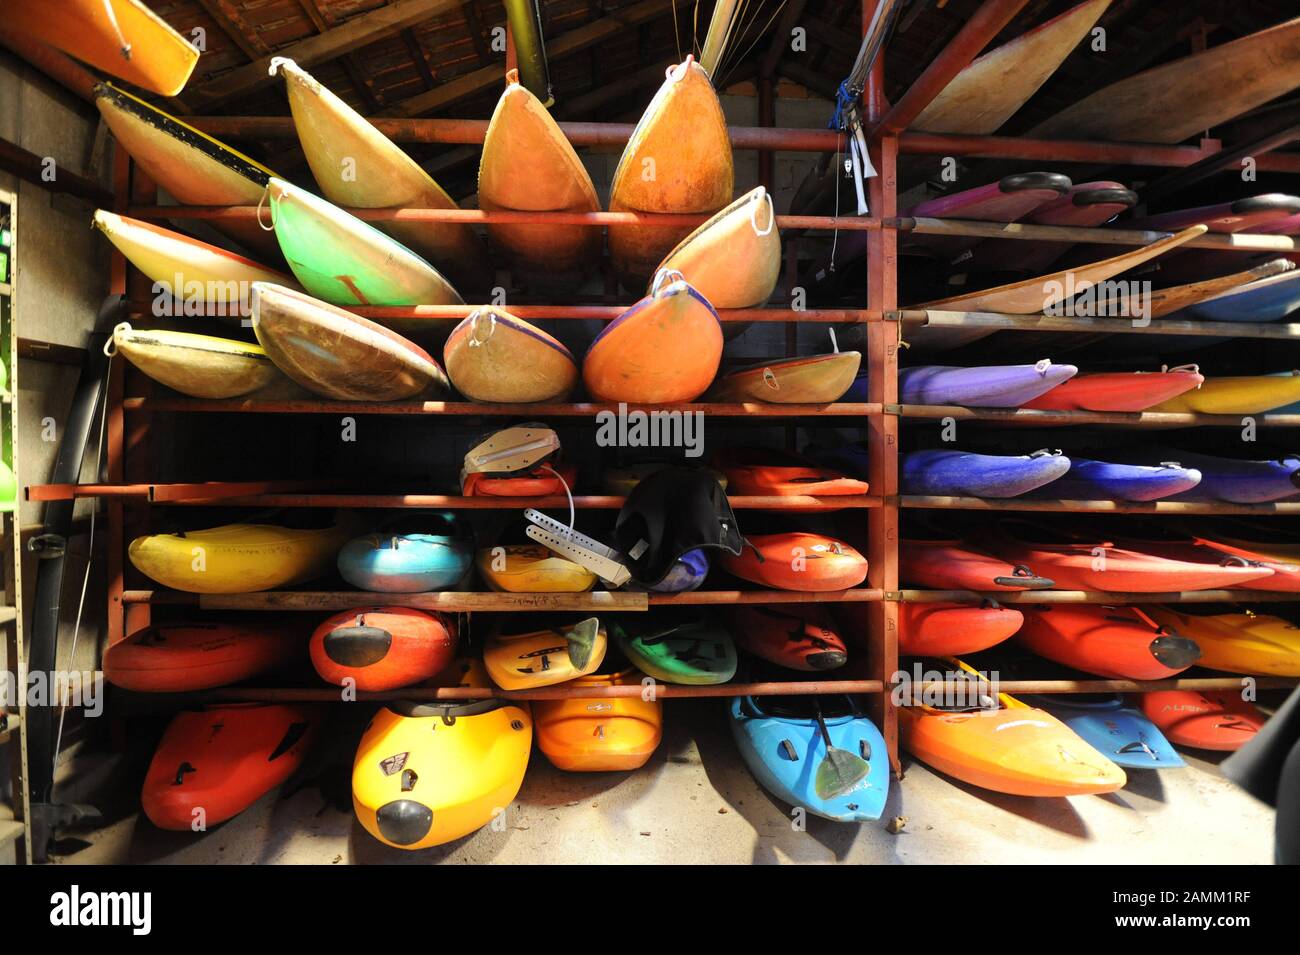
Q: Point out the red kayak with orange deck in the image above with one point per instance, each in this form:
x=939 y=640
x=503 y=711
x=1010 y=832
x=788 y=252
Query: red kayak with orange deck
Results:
x=764 y=471
x=176 y=657
x=951 y=565
x=951 y=629
x=1122 y=391
x=1214 y=719
x=541 y=482
x=214 y=763
x=798 y=561
x=795 y=637
x=382 y=648
x=1119 y=643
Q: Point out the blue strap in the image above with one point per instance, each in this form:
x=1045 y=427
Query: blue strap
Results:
x=844 y=98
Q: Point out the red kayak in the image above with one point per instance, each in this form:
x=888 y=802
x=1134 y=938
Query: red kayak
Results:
x=1120 y=643
x=763 y=472
x=1126 y=391
x=175 y=657
x=950 y=629
x=950 y=565
x=1086 y=204
x=1095 y=564
x=798 y=638
x=1286 y=575
x=798 y=561
x=542 y=482
x=1215 y=719
x=212 y=764
x=382 y=648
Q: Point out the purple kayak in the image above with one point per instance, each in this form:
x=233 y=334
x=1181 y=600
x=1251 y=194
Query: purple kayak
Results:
x=963 y=474
x=1241 y=215
x=990 y=386
x=1087 y=204
x=1009 y=199
x=1103 y=481
x=1231 y=480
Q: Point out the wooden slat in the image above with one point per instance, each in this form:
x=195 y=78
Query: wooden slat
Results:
x=468 y=409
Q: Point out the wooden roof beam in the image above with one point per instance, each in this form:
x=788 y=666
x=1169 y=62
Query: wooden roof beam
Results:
x=227 y=16
x=333 y=43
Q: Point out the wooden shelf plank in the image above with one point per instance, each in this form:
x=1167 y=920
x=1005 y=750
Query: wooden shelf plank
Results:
x=999 y=321
x=471 y=409
x=581 y=501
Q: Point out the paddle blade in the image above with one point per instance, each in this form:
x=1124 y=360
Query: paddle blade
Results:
x=838 y=773
x=581 y=638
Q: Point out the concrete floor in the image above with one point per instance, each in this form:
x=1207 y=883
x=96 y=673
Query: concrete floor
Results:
x=695 y=802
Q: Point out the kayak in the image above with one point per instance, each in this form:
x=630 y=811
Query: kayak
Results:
x=688 y=572
x=344 y=261
x=1007 y=200
x=1120 y=733
x=426 y=774
x=1285 y=577
x=1176 y=100
x=176 y=657
x=400 y=559
x=1123 y=391
x=121 y=37
x=620 y=480
x=1002 y=744
x=494 y=357
x=1102 y=481
x=952 y=565
x=990 y=386
x=195 y=273
x=382 y=648
x=944 y=629
x=733 y=260
x=600 y=734
x=796 y=638
x=1238 y=394
x=1241 y=641
x=239 y=558
x=994 y=86
x=963 y=474
x=1230 y=479
x=781 y=741
x=337 y=354
x=1044 y=293
x=798 y=561
x=766 y=471
x=522 y=135
x=544 y=657
x=212 y=764
x=1077 y=563
x=1167 y=301
x=678 y=160
x=1263 y=544
x=1119 y=643
x=542 y=481
x=1215 y=719
x=811 y=379
x=1087 y=204
x=200 y=366
x=1238 y=215
x=358 y=167
x=1264 y=300
x=531 y=569
x=677 y=649
x=665 y=348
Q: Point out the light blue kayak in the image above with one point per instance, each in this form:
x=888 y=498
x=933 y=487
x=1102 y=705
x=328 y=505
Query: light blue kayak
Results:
x=1118 y=732
x=783 y=747
x=431 y=551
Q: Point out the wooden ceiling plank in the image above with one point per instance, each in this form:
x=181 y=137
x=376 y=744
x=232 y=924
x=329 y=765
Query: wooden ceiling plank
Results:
x=227 y=16
x=477 y=33
x=420 y=57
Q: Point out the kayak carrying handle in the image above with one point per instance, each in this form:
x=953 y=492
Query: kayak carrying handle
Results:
x=662 y=276
x=110 y=346
x=753 y=215
x=1137 y=746
x=474 y=340
x=261 y=199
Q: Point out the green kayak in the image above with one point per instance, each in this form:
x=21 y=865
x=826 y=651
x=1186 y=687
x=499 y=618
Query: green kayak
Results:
x=344 y=261
x=685 y=650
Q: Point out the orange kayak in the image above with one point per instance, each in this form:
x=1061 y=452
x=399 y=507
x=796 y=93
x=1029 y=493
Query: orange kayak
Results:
x=1217 y=719
x=811 y=379
x=599 y=734
x=765 y=471
x=997 y=742
x=382 y=648
x=734 y=259
x=539 y=483
x=1120 y=643
x=176 y=657
x=797 y=561
x=494 y=357
x=951 y=565
x=946 y=629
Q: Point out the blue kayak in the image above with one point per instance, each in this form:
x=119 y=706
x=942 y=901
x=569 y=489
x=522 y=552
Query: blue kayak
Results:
x=989 y=386
x=782 y=745
x=687 y=573
x=1230 y=479
x=1265 y=300
x=963 y=474
x=402 y=560
x=1103 y=481
x=1121 y=734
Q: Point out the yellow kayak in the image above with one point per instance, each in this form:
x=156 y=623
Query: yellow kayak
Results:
x=200 y=366
x=1242 y=394
x=1240 y=642
x=359 y=167
x=186 y=268
x=815 y=379
x=194 y=168
x=240 y=558
x=426 y=774
x=734 y=259
x=600 y=734
x=545 y=657
x=531 y=569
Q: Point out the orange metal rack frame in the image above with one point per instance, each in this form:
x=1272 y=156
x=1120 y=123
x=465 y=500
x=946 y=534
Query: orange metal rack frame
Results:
x=872 y=609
